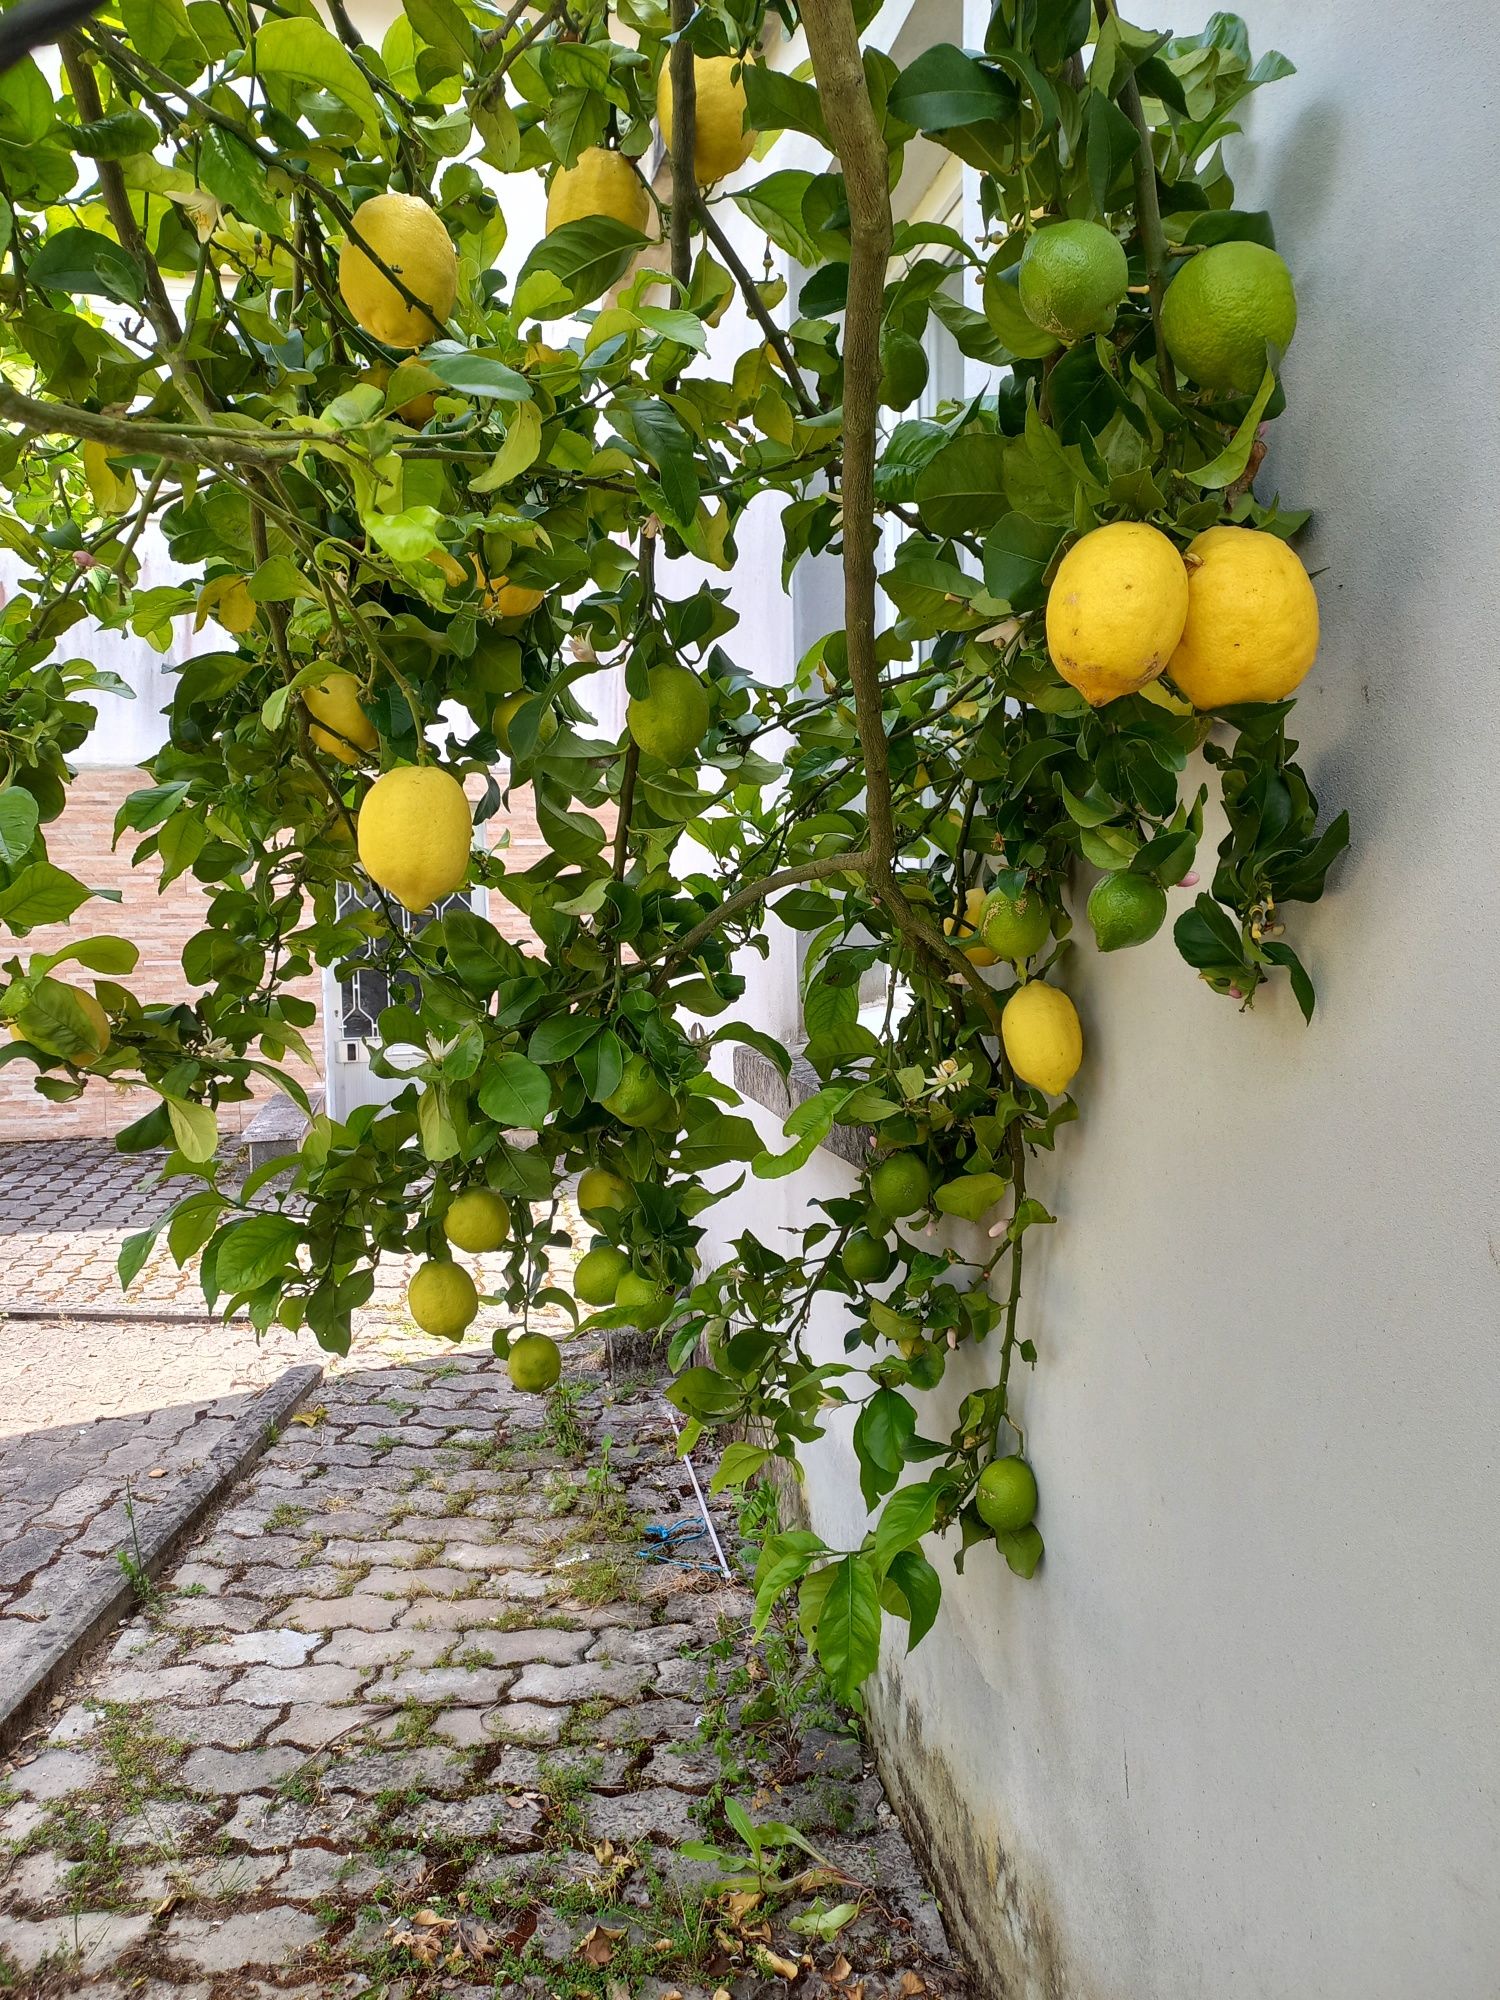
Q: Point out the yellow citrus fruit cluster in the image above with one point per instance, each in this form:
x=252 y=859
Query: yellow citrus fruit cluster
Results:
x=1235 y=620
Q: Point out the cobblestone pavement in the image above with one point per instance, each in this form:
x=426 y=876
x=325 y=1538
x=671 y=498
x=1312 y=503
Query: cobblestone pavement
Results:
x=108 y=1416
x=411 y=1718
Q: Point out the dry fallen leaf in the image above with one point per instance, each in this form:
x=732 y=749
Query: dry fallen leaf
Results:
x=311 y=1418
x=157 y=1472
x=911 y=1982
x=784 y=1968
x=740 y=1903
x=597 y=1947
x=167 y=1905
x=840 y=1970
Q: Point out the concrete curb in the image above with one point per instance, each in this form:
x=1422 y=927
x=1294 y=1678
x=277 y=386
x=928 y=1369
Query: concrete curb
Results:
x=109 y=1595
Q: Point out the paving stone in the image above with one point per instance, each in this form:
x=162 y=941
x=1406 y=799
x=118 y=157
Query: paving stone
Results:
x=97 y=1937
x=188 y=1685
x=56 y=1774
x=450 y=1614
x=526 y=1770
x=512 y=1649
x=313 y=1725
x=635 y=1816
x=76 y=1724
x=687 y=1678
x=271 y=1687
x=581 y=1683
x=432 y=1766
x=507 y=1823
x=164 y=1827
x=311 y=1874
x=227 y=1725
x=649 y=1643
x=36 y=1878
x=250 y=1937
x=213 y=1773
x=212 y=1614
x=360 y=1612
x=267 y=1824
x=650 y=1722
x=385 y=1649
x=685 y=1770
x=478 y=1687
x=273 y=1647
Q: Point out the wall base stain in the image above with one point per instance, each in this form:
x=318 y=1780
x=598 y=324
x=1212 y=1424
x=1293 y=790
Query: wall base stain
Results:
x=994 y=1910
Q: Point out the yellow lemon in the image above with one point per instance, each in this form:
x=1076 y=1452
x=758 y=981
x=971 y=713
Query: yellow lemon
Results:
x=407 y=237
x=415 y=831
x=1252 y=620
x=441 y=1299
x=477 y=1220
x=346 y=730
x=1043 y=1036
x=977 y=953
x=720 y=141
x=534 y=1362
x=602 y=183
x=1116 y=610
x=601 y=1192
x=512 y=600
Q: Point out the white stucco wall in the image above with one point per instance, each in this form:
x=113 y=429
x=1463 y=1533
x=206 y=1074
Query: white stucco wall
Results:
x=1240 y=1737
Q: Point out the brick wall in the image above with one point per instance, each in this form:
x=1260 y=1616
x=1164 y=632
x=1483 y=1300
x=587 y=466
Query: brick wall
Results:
x=161 y=925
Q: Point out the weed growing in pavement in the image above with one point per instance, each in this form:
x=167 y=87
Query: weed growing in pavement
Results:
x=562 y=1426
x=284 y=1515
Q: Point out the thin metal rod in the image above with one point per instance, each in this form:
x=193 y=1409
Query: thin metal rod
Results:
x=708 y=1519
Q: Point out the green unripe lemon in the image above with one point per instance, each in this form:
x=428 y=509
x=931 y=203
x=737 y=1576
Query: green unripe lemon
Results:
x=648 y=1301
x=1015 y=927
x=505 y=712
x=903 y=368
x=534 y=1362
x=602 y=1193
x=1073 y=276
x=867 y=1259
x=670 y=720
x=598 y=1275
x=441 y=1299
x=1007 y=1495
x=478 y=1220
x=900 y=1185
x=638 y=1099
x=1221 y=312
x=1126 y=909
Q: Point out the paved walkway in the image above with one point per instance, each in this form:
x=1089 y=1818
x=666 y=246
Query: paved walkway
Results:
x=412 y=1718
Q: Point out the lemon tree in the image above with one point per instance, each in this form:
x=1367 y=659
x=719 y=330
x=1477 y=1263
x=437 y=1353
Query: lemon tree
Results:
x=415 y=491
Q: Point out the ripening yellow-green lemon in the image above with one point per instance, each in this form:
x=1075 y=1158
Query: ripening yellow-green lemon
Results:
x=670 y=720
x=1006 y=1496
x=647 y=1300
x=597 y=1276
x=974 y=949
x=416 y=410
x=720 y=141
x=1225 y=310
x=1043 y=1036
x=1252 y=620
x=407 y=237
x=415 y=832
x=346 y=730
x=638 y=1099
x=602 y=182
x=477 y=1220
x=441 y=1299
x=534 y=1362
x=1116 y=610
x=600 y=1192
x=900 y=1185
x=505 y=711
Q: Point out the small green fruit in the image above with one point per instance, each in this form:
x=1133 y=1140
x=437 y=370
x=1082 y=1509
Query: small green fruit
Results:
x=534 y=1362
x=1007 y=1494
x=1126 y=909
x=900 y=1185
x=1015 y=927
x=478 y=1220
x=598 y=1275
x=648 y=1301
x=867 y=1259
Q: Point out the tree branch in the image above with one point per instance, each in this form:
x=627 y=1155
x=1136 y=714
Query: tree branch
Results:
x=838 y=69
x=1147 y=211
x=753 y=892
x=684 y=147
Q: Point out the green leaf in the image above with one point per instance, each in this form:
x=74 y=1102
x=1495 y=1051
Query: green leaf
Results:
x=905 y=1518
x=161 y=30
x=775 y=205
x=19 y=819
x=601 y=1064
x=1017 y=553
x=112 y=955
x=195 y=1129
x=473 y=374
x=738 y=1466
x=522 y=446
x=516 y=1093
x=962 y=491
x=233 y=175
x=704 y=1392
x=919 y=1583
x=133 y=1253
x=776 y=102
x=945 y=88
x=435 y=1125
x=848 y=1636
x=95 y=266
x=563 y=1036
x=252 y=1252
x=1232 y=460
x=304 y=51
x=41 y=894
x=573 y=265
x=971 y=1196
